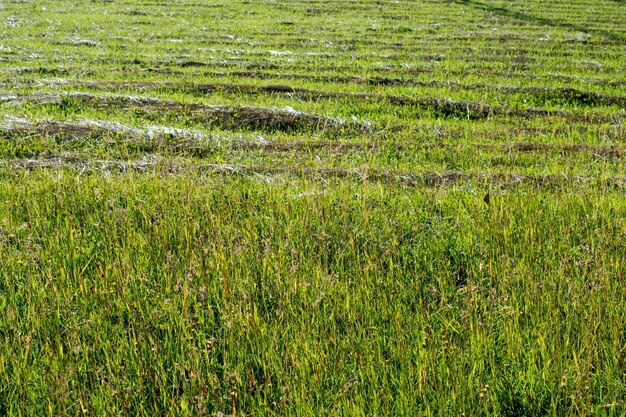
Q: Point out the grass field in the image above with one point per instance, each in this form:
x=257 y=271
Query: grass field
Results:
x=313 y=208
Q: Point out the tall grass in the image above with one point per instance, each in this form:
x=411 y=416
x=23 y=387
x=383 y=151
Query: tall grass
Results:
x=145 y=295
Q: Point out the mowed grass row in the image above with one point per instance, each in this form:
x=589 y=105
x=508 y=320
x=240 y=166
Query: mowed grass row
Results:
x=312 y=208
x=440 y=39
x=404 y=139
x=93 y=145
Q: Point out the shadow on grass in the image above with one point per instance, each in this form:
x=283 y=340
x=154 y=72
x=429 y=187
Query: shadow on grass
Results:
x=502 y=11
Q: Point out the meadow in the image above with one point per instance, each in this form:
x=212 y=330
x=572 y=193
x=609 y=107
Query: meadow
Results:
x=313 y=208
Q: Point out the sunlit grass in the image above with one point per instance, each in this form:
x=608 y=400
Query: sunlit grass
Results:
x=312 y=208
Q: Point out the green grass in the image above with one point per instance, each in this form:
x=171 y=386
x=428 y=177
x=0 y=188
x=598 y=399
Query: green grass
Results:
x=313 y=208
x=144 y=293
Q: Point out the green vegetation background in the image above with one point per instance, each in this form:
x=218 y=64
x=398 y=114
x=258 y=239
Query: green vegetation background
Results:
x=312 y=208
